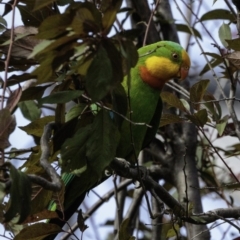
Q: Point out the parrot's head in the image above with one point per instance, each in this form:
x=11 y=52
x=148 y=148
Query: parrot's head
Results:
x=162 y=61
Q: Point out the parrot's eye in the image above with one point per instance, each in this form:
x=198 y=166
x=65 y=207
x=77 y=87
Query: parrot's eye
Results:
x=175 y=56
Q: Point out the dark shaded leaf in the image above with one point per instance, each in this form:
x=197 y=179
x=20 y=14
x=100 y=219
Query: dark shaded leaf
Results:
x=20 y=195
x=197 y=92
x=170 y=119
x=8 y=124
x=42 y=3
x=199 y=118
x=38 y=231
x=33 y=93
x=109 y=14
x=60 y=97
x=99 y=75
x=172 y=100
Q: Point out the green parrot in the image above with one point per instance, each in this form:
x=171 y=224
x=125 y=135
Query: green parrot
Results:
x=157 y=64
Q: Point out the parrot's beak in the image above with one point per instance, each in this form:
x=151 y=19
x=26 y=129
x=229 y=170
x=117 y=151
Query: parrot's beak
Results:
x=183 y=72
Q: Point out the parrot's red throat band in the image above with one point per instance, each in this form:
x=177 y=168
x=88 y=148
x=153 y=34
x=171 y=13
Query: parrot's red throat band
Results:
x=152 y=81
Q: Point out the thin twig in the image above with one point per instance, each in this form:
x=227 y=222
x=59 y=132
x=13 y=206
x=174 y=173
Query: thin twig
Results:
x=149 y=22
x=6 y=62
x=112 y=110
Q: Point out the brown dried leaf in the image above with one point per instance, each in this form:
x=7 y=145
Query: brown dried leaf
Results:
x=24 y=41
x=80 y=220
x=14 y=99
x=8 y=124
x=234 y=58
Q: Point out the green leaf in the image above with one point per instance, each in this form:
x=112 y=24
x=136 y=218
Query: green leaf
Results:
x=185 y=28
x=199 y=118
x=60 y=97
x=170 y=119
x=36 y=127
x=224 y=33
x=3 y=24
x=172 y=100
x=38 y=231
x=75 y=111
x=234 y=44
x=99 y=75
x=30 y=110
x=20 y=195
x=220 y=126
x=218 y=14
x=197 y=92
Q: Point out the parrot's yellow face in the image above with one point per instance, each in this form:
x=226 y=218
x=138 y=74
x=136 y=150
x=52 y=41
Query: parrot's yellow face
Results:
x=168 y=63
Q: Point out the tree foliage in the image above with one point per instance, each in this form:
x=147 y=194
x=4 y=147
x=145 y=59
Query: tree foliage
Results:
x=63 y=70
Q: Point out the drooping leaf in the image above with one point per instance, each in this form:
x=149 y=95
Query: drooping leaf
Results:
x=30 y=110
x=224 y=33
x=38 y=231
x=172 y=100
x=20 y=195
